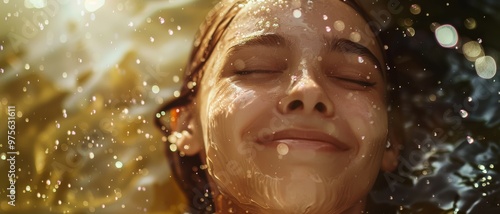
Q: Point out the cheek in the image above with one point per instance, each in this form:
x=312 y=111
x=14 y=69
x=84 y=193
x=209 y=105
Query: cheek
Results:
x=228 y=100
x=367 y=117
x=230 y=109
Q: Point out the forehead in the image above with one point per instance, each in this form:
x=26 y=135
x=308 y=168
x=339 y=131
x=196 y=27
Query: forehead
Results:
x=301 y=19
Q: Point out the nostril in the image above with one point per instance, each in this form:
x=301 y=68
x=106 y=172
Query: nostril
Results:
x=320 y=107
x=296 y=104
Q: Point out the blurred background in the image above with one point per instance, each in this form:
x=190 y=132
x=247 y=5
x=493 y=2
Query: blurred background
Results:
x=87 y=76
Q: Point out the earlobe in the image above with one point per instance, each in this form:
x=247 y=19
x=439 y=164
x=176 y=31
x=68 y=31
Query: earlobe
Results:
x=391 y=156
x=187 y=144
x=390 y=161
x=183 y=133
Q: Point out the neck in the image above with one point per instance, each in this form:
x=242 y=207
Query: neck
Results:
x=224 y=205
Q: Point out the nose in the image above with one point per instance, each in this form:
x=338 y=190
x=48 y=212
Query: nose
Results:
x=306 y=96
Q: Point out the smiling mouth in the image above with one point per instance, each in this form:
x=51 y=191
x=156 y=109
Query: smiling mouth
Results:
x=304 y=140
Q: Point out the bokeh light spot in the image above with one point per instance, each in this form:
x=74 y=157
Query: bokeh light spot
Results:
x=93 y=5
x=486 y=67
x=470 y=23
x=155 y=89
x=446 y=36
x=415 y=9
x=119 y=164
x=472 y=50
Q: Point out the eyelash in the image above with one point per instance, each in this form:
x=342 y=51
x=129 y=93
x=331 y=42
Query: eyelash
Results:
x=354 y=81
x=247 y=72
x=359 y=82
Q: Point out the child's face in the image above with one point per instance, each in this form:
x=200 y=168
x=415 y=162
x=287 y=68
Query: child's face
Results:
x=293 y=107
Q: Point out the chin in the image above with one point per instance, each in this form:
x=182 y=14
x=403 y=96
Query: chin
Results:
x=299 y=193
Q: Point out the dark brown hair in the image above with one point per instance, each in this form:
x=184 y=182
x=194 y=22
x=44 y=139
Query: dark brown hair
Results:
x=189 y=171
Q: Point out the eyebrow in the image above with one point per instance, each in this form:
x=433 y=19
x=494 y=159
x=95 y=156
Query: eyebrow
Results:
x=269 y=40
x=334 y=45
x=349 y=47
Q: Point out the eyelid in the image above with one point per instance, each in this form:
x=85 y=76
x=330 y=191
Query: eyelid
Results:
x=258 y=63
x=353 y=76
x=364 y=83
x=262 y=71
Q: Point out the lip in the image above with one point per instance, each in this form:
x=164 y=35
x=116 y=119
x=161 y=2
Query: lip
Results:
x=305 y=139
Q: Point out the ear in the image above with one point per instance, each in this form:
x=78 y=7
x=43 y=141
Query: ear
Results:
x=185 y=131
x=391 y=154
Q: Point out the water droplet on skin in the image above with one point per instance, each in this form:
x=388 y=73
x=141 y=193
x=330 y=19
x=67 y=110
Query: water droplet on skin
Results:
x=297 y=13
x=282 y=149
x=362 y=137
x=355 y=37
x=328 y=29
x=339 y=25
x=360 y=59
x=325 y=17
x=463 y=113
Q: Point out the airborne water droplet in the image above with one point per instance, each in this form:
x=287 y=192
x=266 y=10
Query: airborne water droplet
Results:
x=463 y=113
x=470 y=139
x=119 y=164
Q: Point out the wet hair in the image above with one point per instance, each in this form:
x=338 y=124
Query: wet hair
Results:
x=189 y=171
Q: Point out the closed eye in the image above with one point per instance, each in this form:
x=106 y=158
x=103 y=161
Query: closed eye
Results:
x=247 y=72
x=358 y=82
